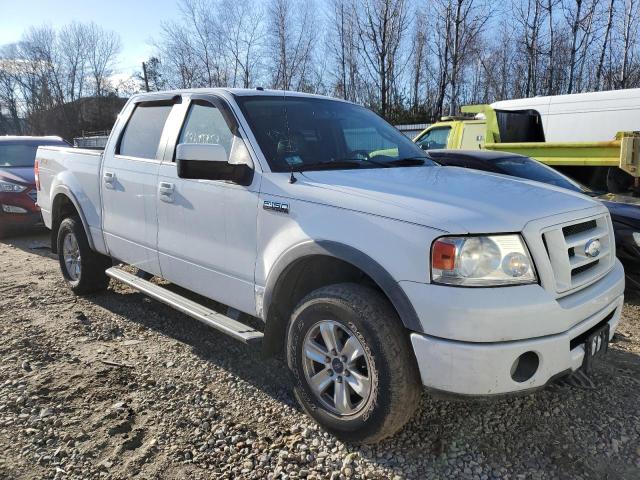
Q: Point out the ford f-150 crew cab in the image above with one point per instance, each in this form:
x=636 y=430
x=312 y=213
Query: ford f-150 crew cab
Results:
x=373 y=269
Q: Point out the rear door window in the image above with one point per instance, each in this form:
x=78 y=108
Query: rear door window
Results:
x=141 y=136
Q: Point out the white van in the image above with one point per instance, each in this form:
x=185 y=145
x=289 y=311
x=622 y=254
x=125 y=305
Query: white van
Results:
x=582 y=117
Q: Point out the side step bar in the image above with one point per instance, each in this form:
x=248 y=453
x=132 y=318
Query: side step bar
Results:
x=220 y=322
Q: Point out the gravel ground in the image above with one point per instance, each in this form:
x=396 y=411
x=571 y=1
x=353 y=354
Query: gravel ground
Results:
x=117 y=386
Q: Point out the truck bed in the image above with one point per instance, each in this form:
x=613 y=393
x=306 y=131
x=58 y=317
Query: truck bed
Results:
x=623 y=152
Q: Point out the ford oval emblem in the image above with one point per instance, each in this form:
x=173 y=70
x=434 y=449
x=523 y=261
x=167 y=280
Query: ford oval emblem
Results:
x=592 y=248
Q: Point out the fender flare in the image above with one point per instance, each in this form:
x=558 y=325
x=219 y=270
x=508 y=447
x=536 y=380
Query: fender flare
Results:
x=355 y=257
x=66 y=192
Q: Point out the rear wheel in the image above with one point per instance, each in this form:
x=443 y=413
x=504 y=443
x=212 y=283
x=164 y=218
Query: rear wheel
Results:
x=82 y=268
x=353 y=363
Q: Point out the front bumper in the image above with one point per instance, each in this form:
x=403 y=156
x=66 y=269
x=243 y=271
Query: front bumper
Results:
x=477 y=354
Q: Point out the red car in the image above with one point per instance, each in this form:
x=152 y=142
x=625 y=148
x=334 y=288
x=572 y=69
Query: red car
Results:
x=18 y=209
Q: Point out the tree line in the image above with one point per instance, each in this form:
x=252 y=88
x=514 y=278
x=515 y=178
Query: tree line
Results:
x=409 y=60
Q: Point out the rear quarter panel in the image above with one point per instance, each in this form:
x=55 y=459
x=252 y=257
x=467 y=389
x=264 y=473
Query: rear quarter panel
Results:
x=75 y=173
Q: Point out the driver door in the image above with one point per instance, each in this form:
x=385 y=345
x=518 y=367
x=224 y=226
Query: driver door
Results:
x=207 y=228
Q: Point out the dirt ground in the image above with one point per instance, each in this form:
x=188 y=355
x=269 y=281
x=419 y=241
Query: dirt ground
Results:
x=115 y=385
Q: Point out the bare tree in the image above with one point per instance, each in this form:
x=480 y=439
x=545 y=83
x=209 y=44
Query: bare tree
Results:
x=242 y=32
x=605 y=44
x=74 y=51
x=468 y=22
x=342 y=46
x=382 y=28
x=419 y=65
x=441 y=39
x=629 y=37
x=104 y=46
x=549 y=8
x=10 y=120
x=45 y=77
x=291 y=41
x=530 y=14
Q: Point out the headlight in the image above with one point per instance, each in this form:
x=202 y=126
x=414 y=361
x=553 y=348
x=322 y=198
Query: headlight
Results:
x=636 y=238
x=11 y=187
x=481 y=261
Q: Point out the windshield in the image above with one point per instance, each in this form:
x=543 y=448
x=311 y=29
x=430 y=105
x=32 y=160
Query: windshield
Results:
x=20 y=155
x=299 y=133
x=530 y=169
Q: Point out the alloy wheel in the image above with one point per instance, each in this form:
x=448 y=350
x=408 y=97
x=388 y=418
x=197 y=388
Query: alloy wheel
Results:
x=71 y=256
x=337 y=367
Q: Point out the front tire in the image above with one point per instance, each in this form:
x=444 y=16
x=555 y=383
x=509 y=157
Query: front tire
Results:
x=82 y=268
x=353 y=363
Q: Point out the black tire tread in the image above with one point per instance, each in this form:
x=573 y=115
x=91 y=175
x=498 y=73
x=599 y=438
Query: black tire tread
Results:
x=93 y=277
x=405 y=388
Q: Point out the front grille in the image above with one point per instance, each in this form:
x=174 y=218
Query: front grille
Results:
x=579 y=228
x=583 y=268
x=566 y=244
x=33 y=195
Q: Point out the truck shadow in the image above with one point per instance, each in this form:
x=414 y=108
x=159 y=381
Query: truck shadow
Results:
x=269 y=375
x=559 y=430
x=35 y=243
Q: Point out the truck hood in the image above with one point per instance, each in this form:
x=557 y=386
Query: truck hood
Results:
x=24 y=175
x=453 y=199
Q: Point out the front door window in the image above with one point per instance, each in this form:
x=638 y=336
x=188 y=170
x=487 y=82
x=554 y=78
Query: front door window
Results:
x=434 y=139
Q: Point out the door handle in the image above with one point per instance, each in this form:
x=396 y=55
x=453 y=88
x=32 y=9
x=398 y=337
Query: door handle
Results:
x=109 y=179
x=165 y=190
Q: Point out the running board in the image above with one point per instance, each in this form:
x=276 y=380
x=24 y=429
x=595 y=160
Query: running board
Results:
x=209 y=317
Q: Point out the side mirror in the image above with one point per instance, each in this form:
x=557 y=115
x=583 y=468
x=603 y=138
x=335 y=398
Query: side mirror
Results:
x=210 y=162
x=201 y=152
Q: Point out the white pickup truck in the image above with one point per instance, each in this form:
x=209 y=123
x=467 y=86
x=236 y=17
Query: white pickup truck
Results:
x=373 y=269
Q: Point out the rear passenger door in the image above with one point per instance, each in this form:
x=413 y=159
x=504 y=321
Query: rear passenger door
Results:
x=129 y=184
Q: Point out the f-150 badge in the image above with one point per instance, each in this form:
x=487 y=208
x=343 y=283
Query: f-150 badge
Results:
x=276 y=206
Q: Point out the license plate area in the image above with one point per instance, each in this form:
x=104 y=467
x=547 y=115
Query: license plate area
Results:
x=595 y=346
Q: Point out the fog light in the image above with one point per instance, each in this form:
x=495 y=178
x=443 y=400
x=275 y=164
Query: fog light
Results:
x=525 y=367
x=13 y=209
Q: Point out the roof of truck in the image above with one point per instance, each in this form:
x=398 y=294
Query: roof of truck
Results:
x=240 y=92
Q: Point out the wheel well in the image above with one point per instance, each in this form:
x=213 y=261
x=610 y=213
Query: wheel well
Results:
x=62 y=208
x=299 y=279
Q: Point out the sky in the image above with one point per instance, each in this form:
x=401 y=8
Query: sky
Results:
x=136 y=21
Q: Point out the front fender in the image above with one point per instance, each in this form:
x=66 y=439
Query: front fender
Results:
x=350 y=255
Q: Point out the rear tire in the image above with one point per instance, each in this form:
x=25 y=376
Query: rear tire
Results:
x=367 y=386
x=82 y=268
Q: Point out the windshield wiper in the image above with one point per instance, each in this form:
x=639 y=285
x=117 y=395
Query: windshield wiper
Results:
x=343 y=163
x=407 y=162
